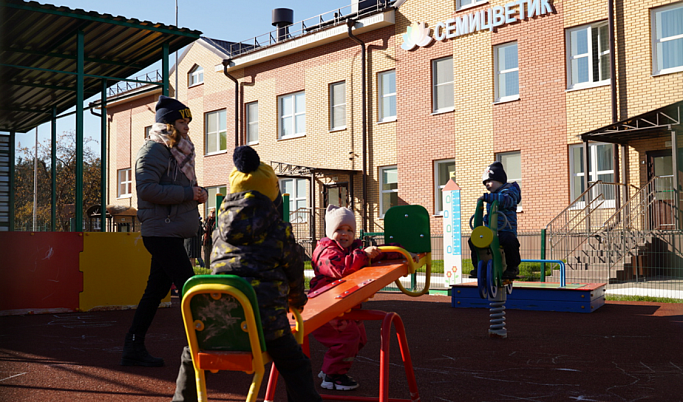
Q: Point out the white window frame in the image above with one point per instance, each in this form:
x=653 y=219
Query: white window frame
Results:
x=195 y=76
x=251 y=116
x=438 y=188
x=501 y=158
x=468 y=4
x=339 y=108
x=296 y=98
x=221 y=131
x=658 y=42
x=445 y=63
x=381 y=96
x=578 y=174
x=125 y=183
x=296 y=197
x=211 y=201
x=386 y=193
x=500 y=72
x=592 y=53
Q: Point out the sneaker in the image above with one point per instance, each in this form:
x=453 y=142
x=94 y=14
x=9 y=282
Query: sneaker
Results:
x=340 y=382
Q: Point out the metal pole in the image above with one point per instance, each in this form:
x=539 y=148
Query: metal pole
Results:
x=176 y=53
x=103 y=159
x=675 y=178
x=12 y=156
x=164 y=69
x=35 y=182
x=53 y=173
x=80 y=97
x=543 y=255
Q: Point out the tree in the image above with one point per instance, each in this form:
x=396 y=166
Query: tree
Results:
x=66 y=179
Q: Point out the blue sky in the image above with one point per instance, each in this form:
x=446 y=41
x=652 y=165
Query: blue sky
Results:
x=219 y=19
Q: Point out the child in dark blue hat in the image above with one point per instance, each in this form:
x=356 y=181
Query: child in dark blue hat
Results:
x=508 y=195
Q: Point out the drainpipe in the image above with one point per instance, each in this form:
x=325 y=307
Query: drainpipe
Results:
x=349 y=24
x=615 y=116
x=237 y=97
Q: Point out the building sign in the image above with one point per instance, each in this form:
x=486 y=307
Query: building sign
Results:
x=419 y=35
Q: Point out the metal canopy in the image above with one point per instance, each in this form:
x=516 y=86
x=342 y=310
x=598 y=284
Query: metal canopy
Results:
x=661 y=120
x=39 y=56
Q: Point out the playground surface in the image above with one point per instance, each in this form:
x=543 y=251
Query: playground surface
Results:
x=624 y=351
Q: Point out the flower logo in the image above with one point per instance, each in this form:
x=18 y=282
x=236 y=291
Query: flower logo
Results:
x=417 y=34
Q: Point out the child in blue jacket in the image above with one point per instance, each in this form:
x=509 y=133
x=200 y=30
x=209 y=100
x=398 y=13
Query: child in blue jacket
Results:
x=508 y=196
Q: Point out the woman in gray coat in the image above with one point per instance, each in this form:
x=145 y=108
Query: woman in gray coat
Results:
x=168 y=197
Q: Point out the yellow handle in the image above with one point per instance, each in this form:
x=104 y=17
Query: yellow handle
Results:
x=412 y=267
x=299 y=329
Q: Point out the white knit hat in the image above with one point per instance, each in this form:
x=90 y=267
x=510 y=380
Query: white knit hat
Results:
x=337 y=216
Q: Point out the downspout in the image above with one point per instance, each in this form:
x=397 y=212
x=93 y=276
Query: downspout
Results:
x=615 y=116
x=349 y=24
x=237 y=97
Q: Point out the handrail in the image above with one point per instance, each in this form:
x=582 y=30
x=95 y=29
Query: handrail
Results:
x=303 y=27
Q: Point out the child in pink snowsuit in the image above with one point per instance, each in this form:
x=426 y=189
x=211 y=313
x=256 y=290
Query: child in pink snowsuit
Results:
x=336 y=256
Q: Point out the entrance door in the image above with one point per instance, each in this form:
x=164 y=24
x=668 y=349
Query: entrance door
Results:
x=336 y=194
x=660 y=167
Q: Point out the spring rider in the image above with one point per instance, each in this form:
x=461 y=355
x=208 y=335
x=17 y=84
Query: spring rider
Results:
x=490 y=265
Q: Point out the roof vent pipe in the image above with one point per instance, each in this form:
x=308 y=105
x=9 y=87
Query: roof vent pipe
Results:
x=282 y=19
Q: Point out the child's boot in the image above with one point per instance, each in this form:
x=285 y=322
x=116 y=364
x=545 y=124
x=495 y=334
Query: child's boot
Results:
x=340 y=382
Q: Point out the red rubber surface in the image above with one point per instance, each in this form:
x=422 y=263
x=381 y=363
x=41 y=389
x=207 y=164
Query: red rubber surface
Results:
x=621 y=352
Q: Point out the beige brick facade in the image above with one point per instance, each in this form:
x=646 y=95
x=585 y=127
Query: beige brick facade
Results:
x=542 y=124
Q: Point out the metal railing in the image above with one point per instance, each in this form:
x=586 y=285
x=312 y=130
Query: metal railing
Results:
x=125 y=86
x=629 y=234
x=583 y=219
x=304 y=27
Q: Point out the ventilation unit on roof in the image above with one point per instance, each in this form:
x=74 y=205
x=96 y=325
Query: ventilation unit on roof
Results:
x=358 y=6
x=282 y=19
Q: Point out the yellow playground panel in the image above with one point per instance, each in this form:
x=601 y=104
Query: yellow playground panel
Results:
x=115 y=268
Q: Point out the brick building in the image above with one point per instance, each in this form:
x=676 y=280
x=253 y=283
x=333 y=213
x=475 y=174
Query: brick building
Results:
x=450 y=86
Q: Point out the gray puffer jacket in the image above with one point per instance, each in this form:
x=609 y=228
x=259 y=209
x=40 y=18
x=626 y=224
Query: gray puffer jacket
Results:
x=165 y=198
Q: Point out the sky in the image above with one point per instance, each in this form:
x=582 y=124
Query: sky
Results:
x=229 y=20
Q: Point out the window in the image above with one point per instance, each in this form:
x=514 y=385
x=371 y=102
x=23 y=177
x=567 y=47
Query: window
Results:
x=298 y=203
x=252 y=123
x=468 y=3
x=442 y=81
x=211 y=202
x=338 y=106
x=512 y=163
x=196 y=76
x=387 y=95
x=215 y=132
x=292 y=110
x=588 y=55
x=148 y=130
x=507 y=72
x=388 y=185
x=600 y=166
x=125 y=183
x=443 y=171
x=667 y=39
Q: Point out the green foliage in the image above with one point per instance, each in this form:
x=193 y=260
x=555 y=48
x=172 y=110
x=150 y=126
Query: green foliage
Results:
x=66 y=179
x=201 y=271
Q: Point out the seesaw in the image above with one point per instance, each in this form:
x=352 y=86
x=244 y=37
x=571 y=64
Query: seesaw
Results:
x=224 y=331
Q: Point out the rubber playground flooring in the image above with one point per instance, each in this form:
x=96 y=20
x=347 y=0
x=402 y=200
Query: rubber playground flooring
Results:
x=624 y=351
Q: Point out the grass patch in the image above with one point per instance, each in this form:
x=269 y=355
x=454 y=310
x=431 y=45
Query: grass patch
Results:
x=530 y=271
x=642 y=299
